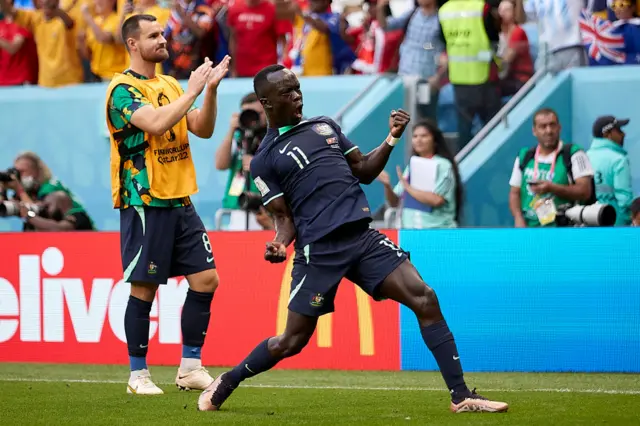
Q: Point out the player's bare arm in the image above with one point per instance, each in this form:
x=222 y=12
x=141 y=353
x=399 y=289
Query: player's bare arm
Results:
x=64 y=17
x=157 y=121
x=276 y=251
x=201 y=122
x=367 y=167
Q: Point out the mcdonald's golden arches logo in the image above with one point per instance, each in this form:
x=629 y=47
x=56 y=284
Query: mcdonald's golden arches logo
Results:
x=324 y=329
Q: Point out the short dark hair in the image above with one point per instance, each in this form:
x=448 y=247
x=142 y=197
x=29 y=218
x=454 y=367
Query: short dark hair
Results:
x=249 y=99
x=131 y=27
x=260 y=80
x=544 y=111
x=635 y=207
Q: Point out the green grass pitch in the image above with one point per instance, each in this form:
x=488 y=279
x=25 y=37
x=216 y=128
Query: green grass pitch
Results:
x=51 y=394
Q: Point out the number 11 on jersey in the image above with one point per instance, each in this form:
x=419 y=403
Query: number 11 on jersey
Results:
x=295 y=157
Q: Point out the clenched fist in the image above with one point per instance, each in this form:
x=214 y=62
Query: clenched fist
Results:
x=276 y=252
x=398 y=121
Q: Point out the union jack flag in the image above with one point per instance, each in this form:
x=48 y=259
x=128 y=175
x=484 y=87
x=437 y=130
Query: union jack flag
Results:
x=604 y=40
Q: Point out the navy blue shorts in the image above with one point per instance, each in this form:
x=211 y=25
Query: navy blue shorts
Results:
x=356 y=252
x=159 y=243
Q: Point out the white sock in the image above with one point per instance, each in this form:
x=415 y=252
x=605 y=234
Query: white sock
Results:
x=136 y=373
x=190 y=364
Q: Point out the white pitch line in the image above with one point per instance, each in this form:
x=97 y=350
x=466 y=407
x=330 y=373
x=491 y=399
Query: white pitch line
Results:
x=359 y=388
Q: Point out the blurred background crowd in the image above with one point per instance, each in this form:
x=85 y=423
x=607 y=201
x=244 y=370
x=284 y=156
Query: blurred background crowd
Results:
x=56 y=43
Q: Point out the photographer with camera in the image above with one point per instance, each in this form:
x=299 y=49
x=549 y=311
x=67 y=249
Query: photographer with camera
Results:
x=549 y=179
x=31 y=181
x=234 y=154
x=56 y=214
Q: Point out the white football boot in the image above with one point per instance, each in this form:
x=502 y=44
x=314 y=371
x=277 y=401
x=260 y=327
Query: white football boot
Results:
x=141 y=384
x=198 y=379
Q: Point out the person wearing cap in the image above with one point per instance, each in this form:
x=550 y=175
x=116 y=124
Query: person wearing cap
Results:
x=610 y=162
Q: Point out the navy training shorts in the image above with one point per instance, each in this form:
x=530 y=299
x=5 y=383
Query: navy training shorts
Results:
x=356 y=252
x=158 y=243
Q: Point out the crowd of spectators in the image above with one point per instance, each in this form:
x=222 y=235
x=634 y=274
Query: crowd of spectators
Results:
x=56 y=43
x=79 y=40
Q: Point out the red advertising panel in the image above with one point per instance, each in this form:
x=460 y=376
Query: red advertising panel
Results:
x=62 y=299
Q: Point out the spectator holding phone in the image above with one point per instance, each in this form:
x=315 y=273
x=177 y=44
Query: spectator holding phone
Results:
x=552 y=174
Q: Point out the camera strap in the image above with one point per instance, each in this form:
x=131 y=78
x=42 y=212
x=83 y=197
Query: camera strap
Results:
x=126 y=151
x=125 y=132
x=553 y=163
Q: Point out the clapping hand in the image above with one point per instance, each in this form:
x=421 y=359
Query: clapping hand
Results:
x=402 y=178
x=199 y=78
x=219 y=72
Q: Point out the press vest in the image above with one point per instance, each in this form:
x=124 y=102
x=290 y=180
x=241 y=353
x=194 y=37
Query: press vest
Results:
x=168 y=159
x=560 y=177
x=468 y=47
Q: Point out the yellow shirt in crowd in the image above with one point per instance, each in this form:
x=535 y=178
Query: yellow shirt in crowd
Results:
x=58 y=60
x=316 y=50
x=74 y=10
x=107 y=58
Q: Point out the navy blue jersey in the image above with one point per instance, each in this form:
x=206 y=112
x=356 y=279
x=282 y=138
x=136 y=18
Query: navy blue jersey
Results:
x=307 y=165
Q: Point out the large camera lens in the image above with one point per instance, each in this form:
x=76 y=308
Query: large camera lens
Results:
x=249 y=119
x=9 y=208
x=250 y=202
x=593 y=215
x=7 y=176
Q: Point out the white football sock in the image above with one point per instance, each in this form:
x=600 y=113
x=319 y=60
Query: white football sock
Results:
x=136 y=373
x=189 y=364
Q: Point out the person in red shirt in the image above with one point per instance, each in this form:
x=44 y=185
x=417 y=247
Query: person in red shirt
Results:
x=517 y=65
x=255 y=36
x=18 y=57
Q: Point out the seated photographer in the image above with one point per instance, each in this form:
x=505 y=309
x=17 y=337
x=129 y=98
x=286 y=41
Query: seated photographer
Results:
x=611 y=166
x=234 y=154
x=549 y=177
x=31 y=180
x=55 y=214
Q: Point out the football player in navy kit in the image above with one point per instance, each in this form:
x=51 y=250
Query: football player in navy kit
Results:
x=309 y=175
